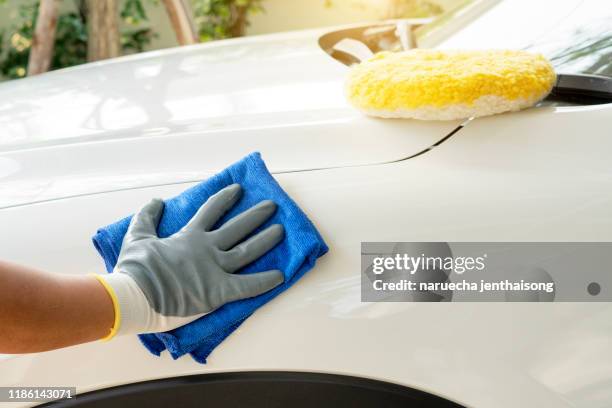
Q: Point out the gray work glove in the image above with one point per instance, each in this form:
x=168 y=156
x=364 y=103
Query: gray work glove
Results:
x=162 y=283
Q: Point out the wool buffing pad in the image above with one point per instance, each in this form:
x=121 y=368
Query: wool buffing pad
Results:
x=445 y=85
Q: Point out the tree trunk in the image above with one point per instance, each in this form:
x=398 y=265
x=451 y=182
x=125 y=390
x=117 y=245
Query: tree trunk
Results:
x=239 y=21
x=41 y=52
x=181 y=21
x=103 y=41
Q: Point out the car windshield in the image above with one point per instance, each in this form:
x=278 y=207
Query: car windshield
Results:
x=578 y=41
x=575 y=36
x=579 y=46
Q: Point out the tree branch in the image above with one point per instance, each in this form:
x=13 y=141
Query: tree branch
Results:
x=181 y=20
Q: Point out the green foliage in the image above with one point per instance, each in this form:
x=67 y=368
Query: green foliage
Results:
x=15 y=61
x=217 y=19
x=133 y=12
x=134 y=15
x=70 y=38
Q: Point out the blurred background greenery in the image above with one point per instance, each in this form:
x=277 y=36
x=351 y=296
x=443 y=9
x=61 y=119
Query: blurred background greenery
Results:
x=144 y=24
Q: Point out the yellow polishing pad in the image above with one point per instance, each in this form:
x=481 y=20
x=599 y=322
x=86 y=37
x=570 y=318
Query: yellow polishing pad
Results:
x=444 y=85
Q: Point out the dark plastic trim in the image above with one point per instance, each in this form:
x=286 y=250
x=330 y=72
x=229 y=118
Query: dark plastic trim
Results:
x=582 y=89
x=269 y=389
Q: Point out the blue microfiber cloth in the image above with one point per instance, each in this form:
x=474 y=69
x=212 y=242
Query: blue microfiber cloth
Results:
x=295 y=255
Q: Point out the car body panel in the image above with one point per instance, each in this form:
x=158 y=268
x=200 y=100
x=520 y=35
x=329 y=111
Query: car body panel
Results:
x=536 y=175
x=208 y=105
x=477 y=355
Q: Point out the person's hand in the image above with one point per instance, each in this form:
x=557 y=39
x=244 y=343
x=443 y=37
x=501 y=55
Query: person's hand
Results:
x=162 y=283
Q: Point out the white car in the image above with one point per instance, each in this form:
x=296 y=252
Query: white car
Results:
x=85 y=146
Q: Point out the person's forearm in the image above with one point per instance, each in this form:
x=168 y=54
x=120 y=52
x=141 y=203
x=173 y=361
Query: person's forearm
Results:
x=42 y=311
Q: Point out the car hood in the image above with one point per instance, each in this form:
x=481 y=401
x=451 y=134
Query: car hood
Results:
x=182 y=114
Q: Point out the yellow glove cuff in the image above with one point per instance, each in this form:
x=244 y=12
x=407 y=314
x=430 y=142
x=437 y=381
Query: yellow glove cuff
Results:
x=113 y=296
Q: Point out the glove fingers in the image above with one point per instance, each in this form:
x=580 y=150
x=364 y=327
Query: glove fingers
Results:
x=144 y=222
x=236 y=229
x=214 y=208
x=251 y=285
x=253 y=248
